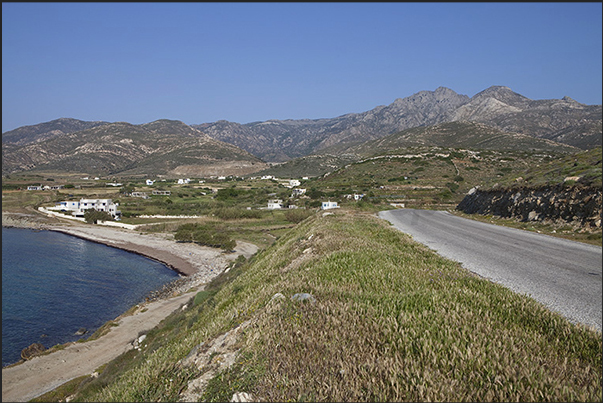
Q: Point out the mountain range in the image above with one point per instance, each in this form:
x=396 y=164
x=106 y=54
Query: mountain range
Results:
x=163 y=147
x=494 y=118
x=561 y=120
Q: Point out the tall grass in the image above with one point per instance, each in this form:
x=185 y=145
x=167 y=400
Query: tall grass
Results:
x=392 y=321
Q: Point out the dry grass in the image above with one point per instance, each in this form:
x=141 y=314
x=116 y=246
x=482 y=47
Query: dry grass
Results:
x=392 y=321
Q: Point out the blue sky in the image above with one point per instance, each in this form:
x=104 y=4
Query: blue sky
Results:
x=245 y=62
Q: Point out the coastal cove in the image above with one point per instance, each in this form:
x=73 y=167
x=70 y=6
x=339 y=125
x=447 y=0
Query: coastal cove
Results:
x=191 y=266
x=55 y=285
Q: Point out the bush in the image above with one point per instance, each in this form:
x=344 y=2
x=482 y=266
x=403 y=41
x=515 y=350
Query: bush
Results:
x=297 y=215
x=204 y=235
x=92 y=216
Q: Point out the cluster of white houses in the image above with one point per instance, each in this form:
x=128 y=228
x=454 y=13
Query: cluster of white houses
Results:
x=46 y=187
x=78 y=208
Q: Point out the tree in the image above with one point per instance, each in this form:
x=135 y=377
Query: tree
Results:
x=92 y=216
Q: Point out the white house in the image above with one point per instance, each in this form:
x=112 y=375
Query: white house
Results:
x=150 y=182
x=39 y=187
x=265 y=177
x=183 y=181
x=275 y=204
x=78 y=208
x=294 y=182
x=329 y=205
x=140 y=194
x=298 y=192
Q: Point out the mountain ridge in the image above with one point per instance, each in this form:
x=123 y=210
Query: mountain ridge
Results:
x=163 y=147
x=564 y=120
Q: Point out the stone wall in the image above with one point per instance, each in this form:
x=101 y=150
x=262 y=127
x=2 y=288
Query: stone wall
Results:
x=576 y=205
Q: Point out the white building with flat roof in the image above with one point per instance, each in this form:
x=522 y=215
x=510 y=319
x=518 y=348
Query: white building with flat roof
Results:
x=275 y=204
x=329 y=205
x=78 y=208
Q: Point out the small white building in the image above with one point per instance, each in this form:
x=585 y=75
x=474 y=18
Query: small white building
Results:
x=294 y=182
x=329 y=205
x=275 y=204
x=183 y=181
x=35 y=187
x=150 y=182
x=78 y=208
x=298 y=192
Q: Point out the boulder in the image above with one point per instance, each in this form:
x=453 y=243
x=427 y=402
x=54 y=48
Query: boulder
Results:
x=31 y=351
x=303 y=297
x=81 y=331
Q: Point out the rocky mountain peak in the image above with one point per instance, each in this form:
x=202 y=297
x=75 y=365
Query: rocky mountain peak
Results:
x=570 y=100
x=504 y=95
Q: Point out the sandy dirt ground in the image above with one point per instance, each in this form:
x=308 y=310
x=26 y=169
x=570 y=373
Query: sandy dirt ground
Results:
x=201 y=264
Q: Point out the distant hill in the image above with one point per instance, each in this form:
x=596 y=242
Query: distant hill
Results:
x=468 y=135
x=163 y=147
x=562 y=120
x=453 y=135
x=496 y=118
x=44 y=131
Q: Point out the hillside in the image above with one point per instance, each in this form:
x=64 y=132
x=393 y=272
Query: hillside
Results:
x=44 y=131
x=345 y=308
x=163 y=147
x=429 y=177
x=466 y=135
x=565 y=190
x=562 y=120
x=454 y=135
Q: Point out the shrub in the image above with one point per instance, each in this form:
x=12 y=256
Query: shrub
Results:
x=297 y=215
x=92 y=216
x=204 y=235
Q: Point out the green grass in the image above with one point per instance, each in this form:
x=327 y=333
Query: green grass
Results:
x=392 y=321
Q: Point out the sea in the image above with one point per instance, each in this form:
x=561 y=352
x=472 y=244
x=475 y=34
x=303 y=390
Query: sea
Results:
x=53 y=284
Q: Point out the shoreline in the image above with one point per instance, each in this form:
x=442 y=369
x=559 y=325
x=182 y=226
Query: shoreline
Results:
x=196 y=265
x=182 y=267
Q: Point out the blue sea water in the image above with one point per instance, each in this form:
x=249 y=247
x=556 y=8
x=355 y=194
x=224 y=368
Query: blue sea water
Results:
x=54 y=284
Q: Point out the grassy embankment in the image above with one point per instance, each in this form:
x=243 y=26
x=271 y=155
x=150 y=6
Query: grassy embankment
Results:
x=392 y=321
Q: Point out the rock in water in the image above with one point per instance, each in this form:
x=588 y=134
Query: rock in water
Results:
x=81 y=331
x=31 y=351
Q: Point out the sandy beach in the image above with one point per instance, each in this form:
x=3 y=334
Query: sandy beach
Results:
x=197 y=265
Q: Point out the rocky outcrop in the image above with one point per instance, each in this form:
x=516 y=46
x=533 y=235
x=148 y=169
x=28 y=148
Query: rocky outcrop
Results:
x=32 y=351
x=577 y=205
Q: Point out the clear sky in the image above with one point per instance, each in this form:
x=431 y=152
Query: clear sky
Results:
x=245 y=62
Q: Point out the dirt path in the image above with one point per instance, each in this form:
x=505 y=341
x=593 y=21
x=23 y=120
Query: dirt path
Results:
x=44 y=373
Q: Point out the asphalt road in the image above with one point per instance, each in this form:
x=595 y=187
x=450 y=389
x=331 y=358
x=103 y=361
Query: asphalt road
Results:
x=563 y=275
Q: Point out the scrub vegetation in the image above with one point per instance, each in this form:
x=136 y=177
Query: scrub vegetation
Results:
x=391 y=321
